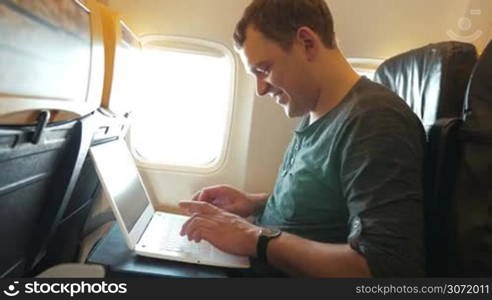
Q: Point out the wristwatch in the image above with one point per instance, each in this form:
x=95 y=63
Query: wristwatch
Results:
x=266 y=235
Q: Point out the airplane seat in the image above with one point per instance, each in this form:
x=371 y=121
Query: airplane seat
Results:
x=442 y=156
x=432 y=79
x=39 y=164
x=48 y=119
x=68 y=240
x=72 y=270
x=470 y=216
x=458 y=219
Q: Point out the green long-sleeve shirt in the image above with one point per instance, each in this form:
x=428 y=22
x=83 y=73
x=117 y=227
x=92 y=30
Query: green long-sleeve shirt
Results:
x=355 y=176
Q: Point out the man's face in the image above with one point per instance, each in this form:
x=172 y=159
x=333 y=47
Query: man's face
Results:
x=283 y=75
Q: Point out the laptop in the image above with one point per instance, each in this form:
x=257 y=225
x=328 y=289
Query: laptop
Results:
x=148 y=232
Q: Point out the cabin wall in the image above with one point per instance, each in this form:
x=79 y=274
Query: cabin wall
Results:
x=381 y=28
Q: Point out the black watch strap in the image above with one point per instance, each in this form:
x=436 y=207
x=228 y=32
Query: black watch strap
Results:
x=265 y=237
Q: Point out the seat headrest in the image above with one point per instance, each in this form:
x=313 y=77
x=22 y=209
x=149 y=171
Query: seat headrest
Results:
x=478 y=106
x=432 y=79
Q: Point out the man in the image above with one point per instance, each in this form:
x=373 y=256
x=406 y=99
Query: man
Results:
x=348 y=197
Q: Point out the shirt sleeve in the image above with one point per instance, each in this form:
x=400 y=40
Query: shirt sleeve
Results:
x=381 y=161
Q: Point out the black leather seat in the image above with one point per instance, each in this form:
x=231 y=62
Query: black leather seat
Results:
x=478 y=106
x=432 y=79
x=459 y=239
x=470 y=217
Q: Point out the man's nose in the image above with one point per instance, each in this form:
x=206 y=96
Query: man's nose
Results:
x=262 y=87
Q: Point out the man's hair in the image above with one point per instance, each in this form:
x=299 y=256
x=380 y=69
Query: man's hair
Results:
x=279 y=20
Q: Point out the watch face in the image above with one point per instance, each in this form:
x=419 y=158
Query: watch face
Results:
x=270 y=232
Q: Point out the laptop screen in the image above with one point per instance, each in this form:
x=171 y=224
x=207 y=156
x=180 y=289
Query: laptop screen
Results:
x=119 y=175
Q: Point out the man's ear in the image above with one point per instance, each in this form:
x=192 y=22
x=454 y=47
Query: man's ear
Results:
x=309 y=41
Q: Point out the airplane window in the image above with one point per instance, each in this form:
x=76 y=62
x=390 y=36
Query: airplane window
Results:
x=182 y=117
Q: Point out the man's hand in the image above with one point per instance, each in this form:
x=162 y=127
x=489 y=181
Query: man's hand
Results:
x=231 y=200
x=292 y=254
x=226 y=231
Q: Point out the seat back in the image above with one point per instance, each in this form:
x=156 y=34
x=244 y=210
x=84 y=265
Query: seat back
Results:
x=459 y=238
x=432 y=79
x=34 y=181
x=443 y=154
x=65 y=246
x=471 y=216
x=51 y=84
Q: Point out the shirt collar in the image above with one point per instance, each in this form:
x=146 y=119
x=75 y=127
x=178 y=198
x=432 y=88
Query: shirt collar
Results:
x=305 y=128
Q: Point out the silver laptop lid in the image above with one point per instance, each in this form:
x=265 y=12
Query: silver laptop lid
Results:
x=123 y=188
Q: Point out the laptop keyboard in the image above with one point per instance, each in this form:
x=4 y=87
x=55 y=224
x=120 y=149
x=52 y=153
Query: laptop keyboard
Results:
x=172 y=241
x=161 y=238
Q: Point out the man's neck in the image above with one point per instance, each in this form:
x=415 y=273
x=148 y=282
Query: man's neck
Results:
x=337 y=80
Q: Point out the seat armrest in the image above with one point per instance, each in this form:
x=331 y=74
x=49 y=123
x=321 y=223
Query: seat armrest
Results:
x=74 y=271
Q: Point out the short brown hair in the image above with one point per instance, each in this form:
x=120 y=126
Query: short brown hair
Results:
x=279 y=20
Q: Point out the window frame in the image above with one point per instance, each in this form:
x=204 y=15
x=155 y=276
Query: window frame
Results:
x=198 y=46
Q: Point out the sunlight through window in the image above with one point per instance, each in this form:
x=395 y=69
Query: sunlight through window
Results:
x=182 y=116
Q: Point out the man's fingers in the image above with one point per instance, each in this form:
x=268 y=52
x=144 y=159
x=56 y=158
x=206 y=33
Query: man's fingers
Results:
x=206 y=234
x=195 y=236
x=210 y=193
x=196 y=221
x=195 y=196
x=195 y=224
x=203 y=195
x=184 y=228
x=198 y=207
x=197 y=230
